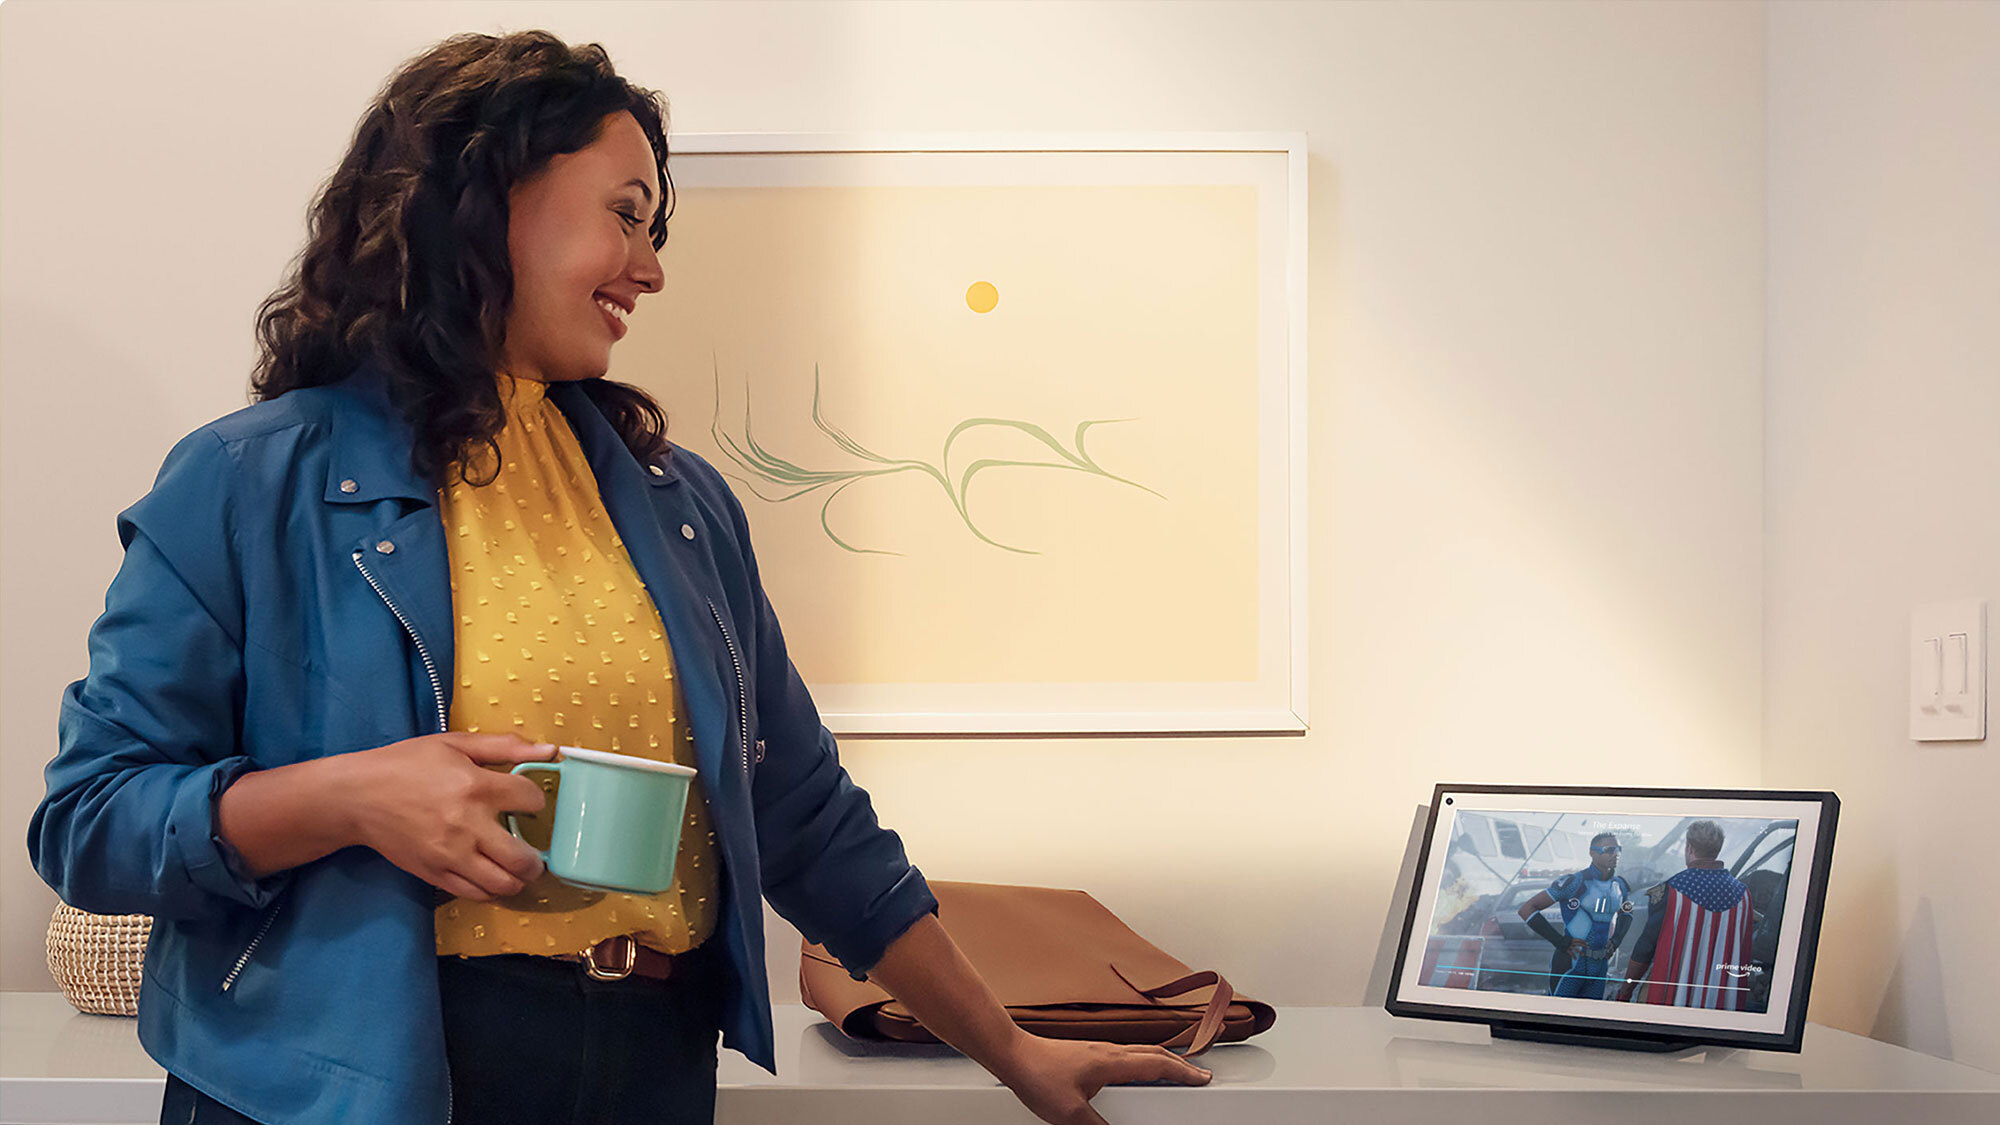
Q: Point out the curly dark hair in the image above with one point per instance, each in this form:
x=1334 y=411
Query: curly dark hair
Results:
x=406 y=261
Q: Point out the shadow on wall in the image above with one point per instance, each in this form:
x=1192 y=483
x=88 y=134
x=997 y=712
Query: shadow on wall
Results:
x=1913 y=1007
x=1377 y=992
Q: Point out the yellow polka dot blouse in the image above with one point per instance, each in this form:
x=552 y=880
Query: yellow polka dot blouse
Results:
x=559 y=642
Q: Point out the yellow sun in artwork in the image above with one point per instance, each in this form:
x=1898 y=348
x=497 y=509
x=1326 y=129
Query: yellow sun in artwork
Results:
x=982 y=297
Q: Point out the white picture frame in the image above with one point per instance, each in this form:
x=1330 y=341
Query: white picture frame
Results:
x=764 y=237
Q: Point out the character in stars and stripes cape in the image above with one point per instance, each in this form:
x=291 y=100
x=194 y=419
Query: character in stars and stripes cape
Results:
x=1695 y=949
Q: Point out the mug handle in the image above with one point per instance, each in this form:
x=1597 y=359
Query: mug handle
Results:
x=514 y=825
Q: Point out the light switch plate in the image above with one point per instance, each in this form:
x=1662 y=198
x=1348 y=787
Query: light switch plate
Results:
x=1948 y=672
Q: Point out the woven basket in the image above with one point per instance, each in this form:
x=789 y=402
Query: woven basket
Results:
x=97 y=959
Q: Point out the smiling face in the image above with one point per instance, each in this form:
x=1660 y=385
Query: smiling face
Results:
x=578 y=236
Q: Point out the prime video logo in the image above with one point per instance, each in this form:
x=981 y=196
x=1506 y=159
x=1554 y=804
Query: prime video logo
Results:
x=1741 y=971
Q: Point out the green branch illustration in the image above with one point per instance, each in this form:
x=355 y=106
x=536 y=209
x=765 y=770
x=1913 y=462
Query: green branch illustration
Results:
x=788 y=481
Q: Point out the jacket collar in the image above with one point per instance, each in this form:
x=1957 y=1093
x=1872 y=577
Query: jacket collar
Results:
x=372 y=442
x=600 y=440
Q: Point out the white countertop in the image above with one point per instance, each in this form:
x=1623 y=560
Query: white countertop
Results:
x=1317 y=1065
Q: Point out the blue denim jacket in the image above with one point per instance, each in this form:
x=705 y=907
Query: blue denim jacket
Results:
x=285 y=595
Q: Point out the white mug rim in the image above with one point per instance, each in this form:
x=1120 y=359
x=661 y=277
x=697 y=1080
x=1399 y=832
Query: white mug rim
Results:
x=624 y=761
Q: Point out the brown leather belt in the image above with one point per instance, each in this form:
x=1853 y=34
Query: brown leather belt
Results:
x=616 y=958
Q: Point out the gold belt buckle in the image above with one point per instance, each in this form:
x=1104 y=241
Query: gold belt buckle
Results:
x=622 y=942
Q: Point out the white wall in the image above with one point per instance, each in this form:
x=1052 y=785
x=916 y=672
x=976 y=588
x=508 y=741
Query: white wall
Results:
x=1882 y=464
x=1535 y=327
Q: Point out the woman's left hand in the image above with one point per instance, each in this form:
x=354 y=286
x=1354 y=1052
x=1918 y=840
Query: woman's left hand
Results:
x=1056 y=1078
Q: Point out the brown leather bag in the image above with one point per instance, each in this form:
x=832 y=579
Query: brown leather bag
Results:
x=1064 y=967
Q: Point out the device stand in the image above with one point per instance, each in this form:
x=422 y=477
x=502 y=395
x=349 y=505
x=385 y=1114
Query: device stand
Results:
x=1576 y=1037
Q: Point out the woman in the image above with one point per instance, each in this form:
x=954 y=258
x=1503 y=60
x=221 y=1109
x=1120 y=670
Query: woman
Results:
x=439 y=544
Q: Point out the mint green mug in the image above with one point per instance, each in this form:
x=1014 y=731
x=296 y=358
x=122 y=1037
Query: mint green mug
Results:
x=617 y=819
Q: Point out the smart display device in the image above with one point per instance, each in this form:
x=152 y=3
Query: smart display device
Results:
x=1646 y=919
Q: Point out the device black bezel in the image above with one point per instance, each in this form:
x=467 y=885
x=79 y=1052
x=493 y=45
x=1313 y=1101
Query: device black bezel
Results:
x=1612 y=1030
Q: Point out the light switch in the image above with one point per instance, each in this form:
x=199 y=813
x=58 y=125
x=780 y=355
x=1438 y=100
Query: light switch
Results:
x=1948 y=672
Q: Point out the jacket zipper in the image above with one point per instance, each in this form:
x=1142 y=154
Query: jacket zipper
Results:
x=430 y=669
x=243 y=958
x=742 y=700
x=437 y=697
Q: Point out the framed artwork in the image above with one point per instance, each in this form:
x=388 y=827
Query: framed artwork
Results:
x=1018 y=422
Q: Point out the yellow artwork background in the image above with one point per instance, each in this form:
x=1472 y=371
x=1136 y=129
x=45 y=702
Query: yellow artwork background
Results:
x=1112 y=302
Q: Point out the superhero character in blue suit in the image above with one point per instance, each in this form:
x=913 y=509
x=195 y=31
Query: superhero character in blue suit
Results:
x=1596 y=915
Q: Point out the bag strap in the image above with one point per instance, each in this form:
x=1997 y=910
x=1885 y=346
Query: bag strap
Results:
x=1202 y=1035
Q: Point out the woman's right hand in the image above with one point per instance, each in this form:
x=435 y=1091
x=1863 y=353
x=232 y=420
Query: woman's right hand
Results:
x=430 y=807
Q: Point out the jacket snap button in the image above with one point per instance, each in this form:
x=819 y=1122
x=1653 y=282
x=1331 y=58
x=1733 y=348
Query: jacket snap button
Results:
x=348 y=486
x=687 y=532
x=385 y=547
x=657 y=471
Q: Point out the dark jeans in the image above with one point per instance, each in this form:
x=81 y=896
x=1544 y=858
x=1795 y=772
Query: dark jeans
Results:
x=534 y=1041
